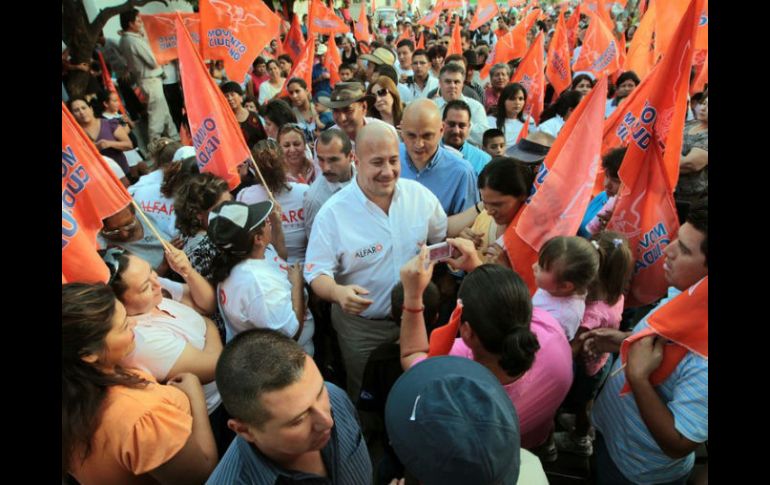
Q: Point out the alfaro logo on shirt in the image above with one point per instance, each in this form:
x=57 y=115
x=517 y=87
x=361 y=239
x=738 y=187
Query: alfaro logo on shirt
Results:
x=368 y=251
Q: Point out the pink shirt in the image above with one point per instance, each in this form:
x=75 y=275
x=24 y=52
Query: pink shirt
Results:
x=540 y=391
x=599 y=314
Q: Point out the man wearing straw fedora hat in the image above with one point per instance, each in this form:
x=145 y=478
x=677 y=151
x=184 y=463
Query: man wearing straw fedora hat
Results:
x=349 y=102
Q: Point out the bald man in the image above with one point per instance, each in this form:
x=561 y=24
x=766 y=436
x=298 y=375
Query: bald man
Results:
x=361 y=237
x=442 y=170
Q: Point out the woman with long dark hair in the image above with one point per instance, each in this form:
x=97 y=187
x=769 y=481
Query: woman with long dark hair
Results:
x=554 y=116
x=118 y=424
x=509 y=115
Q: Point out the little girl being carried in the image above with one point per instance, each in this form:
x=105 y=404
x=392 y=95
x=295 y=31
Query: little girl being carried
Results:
x=565 y=268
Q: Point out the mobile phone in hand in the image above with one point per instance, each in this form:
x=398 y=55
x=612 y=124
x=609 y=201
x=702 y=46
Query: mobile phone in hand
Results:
x=439 y=252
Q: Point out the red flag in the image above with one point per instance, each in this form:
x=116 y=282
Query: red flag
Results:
x=362 y=28
x=702 y=77
x=645 y=210
x=219 y=143
x=323 y=20
x=684 y=322
x=332 y=61
x=562 y=187
x=295 y=41
x=640 y=53
x=557 y=68
x=486 y=10
x=90 y=192
x=456 y=44
x=161 y=33
x=236 y=31
x=107 y=80
x=599 y=54
x=303 y=69
x=530 y=75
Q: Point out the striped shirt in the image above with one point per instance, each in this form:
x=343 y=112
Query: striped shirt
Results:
x=345 y=456
x=629 y=442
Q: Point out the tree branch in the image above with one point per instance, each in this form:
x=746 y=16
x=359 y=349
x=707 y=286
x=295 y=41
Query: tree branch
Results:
x=107 y=13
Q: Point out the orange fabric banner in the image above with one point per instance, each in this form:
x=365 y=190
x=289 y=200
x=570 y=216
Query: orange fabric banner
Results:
x=421 y=42
x=516 y=3
x=525 y=130
x=486 y=10
x=161 y=33
x=557 y=69
x=451 y=4
x=302 y=69
x=90 y=192
x=443 y=338
x=562 y=187
x=530 y=75
x=670 y=12
x=236 y=31
x=699 y=83
x=640 y=58
x=573 y=25
x=323 y=20
x=510 y=46
x=645 y=210
x=598 y=9
x=456 y=44
x=332 y=61
x=217 y=136
x=599 y=54
x=702 y=33
x=430 y=19
x=362 y=28
x=684 y=323
x=295 y=41
x=107 y=80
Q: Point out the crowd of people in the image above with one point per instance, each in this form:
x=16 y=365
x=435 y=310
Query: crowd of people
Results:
x=297 y=329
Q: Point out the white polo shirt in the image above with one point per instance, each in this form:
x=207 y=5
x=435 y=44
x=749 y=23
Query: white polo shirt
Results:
x=356 y=243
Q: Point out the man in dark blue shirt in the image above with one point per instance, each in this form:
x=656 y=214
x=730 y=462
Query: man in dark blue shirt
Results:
x=292 y=427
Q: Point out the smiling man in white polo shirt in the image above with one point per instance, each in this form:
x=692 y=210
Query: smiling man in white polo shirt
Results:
x=360 y=239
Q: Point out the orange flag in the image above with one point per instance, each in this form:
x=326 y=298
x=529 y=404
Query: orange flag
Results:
x=362 y=28
x=161 y=33
x=90 y=192
x=598 y=9
x=640 y=54
x=295 y=41
x=431 y=18
x=525 y=130
x=684 y=323
x=407 y=33
x=443 y=338
x=452 y=4
x=510 y=46
x=573 y=25
x=486 y=10
x=645 y=210
x=702 y=34
x=323 y=20
x=303 y=69
x=456 y=44
x=699 y=83
x=562 y=187
x=217 y=136
x=236 y=31
x=599 y=54
x=332 y=61
x=530 y=75
x=421 y=42
x=107 y=80
x=670 y=12
x=557 y=68
x=516 y=3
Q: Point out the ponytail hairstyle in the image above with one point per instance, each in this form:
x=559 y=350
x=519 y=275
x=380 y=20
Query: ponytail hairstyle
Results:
x=616 y=264
x=497 y=306
x=87 y=313
x=573 y=260
x=568 y=100
x=175 y=174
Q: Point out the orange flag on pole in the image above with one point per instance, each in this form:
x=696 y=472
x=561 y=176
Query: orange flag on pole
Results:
x=421 y=42
x=303 y=69
x=456 y=44
x=599 y=54
x=573 y=25
x=702 y=33
x=90 y=192
x=431 y=18
x=525 y=130
x=516 y=3
x=362 y=28
x=161 y=33
x=486 y=10
x=236 y=31
x=598 y=9
x=332 y=61
x=107 y=80
x=557 y=68
x=510 y=46
x=684 y=323
x=530 y=75
x=562 y=187
x=452 y=4
x=645 y=210
x=295 y=41
x=640 y=54
x=670 y=12
x=217 y=136
x=323 y=20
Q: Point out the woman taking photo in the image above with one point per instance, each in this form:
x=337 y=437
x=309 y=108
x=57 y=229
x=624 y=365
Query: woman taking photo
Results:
x=299 y=168
x=509 y=115
x=270 y=88
x=386 y=102
x=112 y=416
x=110 y=138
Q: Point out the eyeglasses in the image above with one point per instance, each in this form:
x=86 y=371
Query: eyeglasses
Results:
x=381 y=93
x=126 y=228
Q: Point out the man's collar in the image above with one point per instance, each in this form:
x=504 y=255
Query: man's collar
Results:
x=431 y=163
